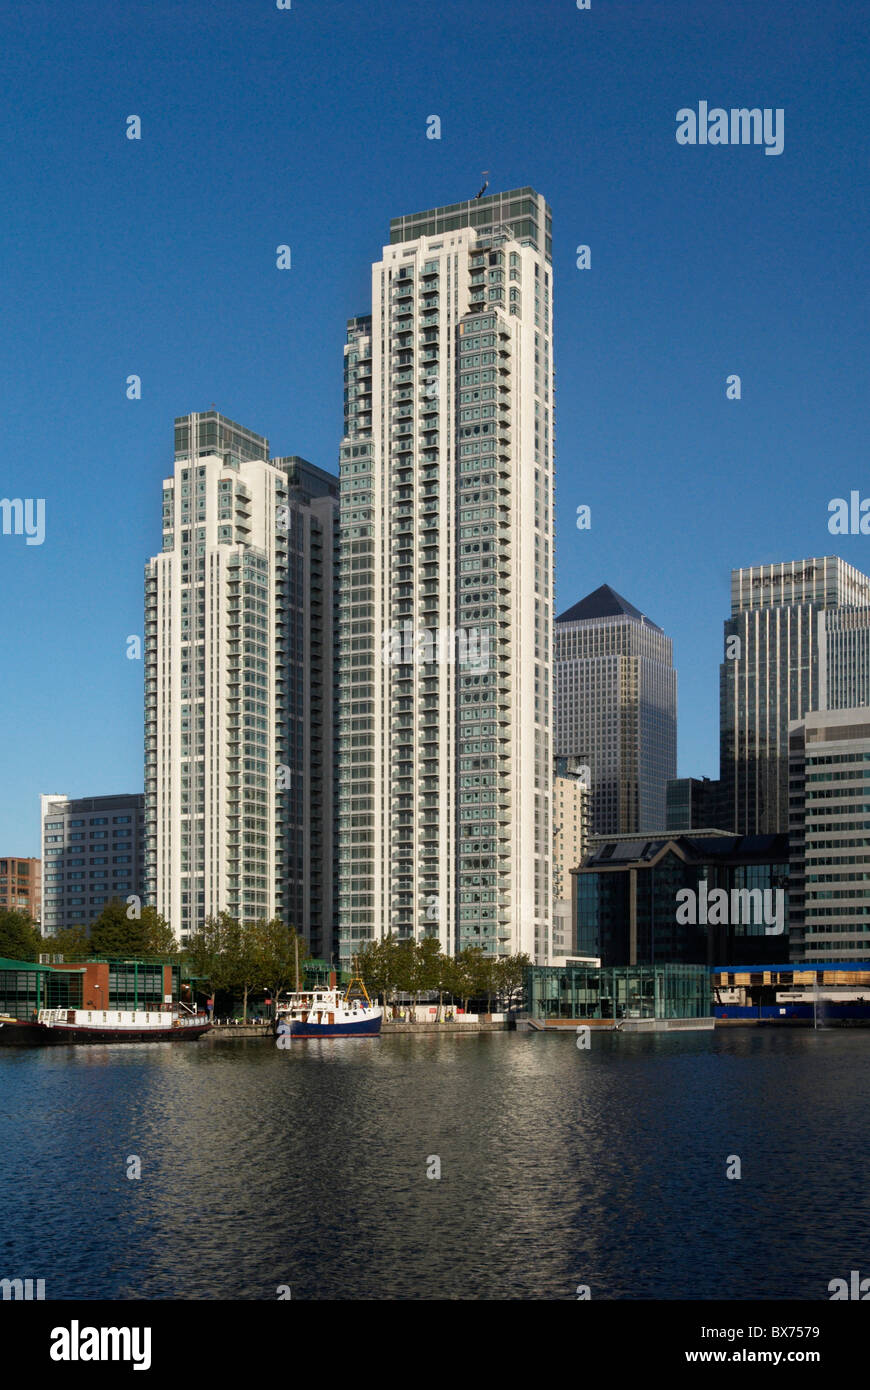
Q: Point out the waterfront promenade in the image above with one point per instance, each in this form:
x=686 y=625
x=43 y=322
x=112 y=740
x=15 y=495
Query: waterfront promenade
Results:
x=230 y=1028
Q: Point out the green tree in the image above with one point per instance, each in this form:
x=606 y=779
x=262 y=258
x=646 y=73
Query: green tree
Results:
x=276 y=948
x=113 y=933
x=511 y=974
x=451 y=979
x=432 y=976
x=70 y=942
x=19 y=938
x=406 y=967
x=241 y=947
x=379 y=965
x=210 y=952
x=157 y=934
x=487 y=978
x=470 y=974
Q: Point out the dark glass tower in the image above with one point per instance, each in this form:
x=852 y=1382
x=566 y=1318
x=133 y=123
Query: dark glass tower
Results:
x=771 y=675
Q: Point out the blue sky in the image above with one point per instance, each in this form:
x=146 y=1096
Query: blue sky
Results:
x=307 y=127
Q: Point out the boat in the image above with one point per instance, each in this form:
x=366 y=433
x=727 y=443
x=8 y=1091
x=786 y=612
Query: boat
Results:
x=327 y=1013
x=110 y=999
x=112 y=1025
x=17 y=1032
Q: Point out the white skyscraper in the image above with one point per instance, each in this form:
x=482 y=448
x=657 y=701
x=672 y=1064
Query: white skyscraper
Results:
x=446 y=584
x=214 y=680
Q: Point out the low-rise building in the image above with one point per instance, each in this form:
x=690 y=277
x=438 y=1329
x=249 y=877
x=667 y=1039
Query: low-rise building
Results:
x=21 y=886
x=642 y=997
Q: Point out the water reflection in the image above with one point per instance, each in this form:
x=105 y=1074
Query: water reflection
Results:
x=558 y=1166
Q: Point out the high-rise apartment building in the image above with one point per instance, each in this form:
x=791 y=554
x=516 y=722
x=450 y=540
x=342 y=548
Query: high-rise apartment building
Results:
x=21 y=886
x=771 y=676
x=239 y=627
x=446 y=583
x=310 y=615
x=570 y=846
x=615 y=709
x=830 y=835
x=92 y=852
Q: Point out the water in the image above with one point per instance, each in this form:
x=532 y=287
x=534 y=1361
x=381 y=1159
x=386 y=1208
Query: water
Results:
x=307 y=1167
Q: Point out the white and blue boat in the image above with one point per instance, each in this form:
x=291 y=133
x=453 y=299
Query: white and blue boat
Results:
x=327 y=1013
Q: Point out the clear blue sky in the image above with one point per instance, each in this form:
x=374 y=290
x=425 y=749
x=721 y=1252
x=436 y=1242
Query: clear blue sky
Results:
x=307 y=127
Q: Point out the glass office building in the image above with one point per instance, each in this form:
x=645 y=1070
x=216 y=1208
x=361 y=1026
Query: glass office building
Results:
x=771 y=676
x=618 y=992
x=628 y=909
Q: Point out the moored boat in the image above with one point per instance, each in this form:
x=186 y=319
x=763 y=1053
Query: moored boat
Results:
x=122 y=1025
x=97 y=1000
x=327 y=1013
x=113 y=1025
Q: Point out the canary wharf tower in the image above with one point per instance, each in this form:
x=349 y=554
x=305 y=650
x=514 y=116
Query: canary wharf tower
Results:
x=446 y=579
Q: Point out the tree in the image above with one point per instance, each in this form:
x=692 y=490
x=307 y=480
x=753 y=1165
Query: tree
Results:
x=431 y=973
x=19 y=938
x=406 y=972
x=113 y=933
x=209 y=952
x=69 y=942
x=487 y=978
x=511 y=974
x=379 y=965
x=157 y=933
x=469 y=976
x=276 y=948
x=240 y=945
x=450 y=978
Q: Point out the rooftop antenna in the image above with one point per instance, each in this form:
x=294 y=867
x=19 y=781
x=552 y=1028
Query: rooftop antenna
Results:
x=485 y=186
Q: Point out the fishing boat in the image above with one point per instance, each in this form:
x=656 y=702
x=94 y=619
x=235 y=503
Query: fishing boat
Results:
x=327 y=1013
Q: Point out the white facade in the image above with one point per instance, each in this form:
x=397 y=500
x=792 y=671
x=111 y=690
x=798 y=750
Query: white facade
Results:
x=214 y=682
x=447 y=528
x=570 y=847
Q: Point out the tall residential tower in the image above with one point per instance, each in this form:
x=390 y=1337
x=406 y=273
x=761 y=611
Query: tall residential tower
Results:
x=239 y=623
x=446 y=584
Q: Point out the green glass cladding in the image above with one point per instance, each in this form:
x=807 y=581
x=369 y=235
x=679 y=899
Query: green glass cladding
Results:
x=628 y=992
x=136 y=985
x=212 y=433
x=29 y=988
x=522 y=209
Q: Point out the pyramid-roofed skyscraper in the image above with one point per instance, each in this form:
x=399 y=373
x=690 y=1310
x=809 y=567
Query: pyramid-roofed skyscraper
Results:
x=615 y=709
